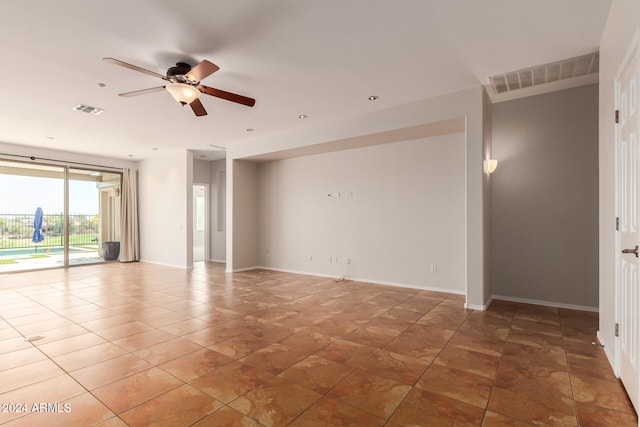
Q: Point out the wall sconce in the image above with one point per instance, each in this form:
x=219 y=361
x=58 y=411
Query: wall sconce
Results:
x=492 y=164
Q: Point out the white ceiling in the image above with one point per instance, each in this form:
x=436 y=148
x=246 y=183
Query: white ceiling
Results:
x=319 y=58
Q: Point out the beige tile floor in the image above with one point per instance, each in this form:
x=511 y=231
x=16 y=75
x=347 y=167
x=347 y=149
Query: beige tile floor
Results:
x=138 y=344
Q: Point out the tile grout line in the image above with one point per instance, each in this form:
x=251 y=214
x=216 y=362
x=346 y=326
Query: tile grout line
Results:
x=332 y=388
x=566 y=359
x=495 y=378
x=243 y=283
x=425 y=369
x=68 y=373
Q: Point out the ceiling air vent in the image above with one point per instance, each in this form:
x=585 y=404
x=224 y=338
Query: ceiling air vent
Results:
x=88 y=109
x=546 y=73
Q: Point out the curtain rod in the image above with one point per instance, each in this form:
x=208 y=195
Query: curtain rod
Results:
x=33 y=158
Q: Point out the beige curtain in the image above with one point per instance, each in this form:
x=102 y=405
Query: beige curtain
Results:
x=129 y=235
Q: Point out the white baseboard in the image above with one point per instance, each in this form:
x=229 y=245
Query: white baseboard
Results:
x=305 y=273
x=367 y=280
x=545 y=303
x=240 y=270
x=409 y=285
x=184 y=267
x=483 y=307
x=609 y=351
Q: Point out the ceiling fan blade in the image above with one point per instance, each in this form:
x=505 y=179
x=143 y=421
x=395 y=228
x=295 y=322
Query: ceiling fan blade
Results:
x=134 y=67
x=233 y=97
x=202 y=70
x=198 y=108
x=141 y=92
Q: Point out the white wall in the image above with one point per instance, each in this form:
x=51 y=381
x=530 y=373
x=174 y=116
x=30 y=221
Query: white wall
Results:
x=218 y=211
x=623 y=21
x=466 y=104
x=242 y=214
x=201 y=172
x=165 y=188
x=487 y=149
x=45 y=155
x=394 y=210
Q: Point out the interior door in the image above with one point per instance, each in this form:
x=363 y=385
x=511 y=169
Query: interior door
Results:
x=629 y=223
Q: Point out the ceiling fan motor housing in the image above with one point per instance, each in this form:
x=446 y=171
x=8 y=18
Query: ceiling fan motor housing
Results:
x=178 y=73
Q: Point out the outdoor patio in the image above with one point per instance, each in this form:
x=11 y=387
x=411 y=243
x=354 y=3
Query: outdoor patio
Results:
x=44 y=260
x=18 y=252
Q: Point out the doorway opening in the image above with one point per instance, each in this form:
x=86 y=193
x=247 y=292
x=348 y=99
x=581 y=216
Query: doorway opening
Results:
x=200 y=222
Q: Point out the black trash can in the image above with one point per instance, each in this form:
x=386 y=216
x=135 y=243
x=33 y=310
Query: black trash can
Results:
x=110 y=251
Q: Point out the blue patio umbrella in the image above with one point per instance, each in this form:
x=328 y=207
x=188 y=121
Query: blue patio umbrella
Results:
x=37 y=227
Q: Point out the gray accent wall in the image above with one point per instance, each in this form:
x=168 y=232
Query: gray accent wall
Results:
x=544 y=198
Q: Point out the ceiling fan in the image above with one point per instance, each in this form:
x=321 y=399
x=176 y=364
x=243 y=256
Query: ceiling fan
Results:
x=184 y=84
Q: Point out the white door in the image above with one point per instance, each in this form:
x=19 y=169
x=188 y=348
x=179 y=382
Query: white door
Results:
x=629 y=223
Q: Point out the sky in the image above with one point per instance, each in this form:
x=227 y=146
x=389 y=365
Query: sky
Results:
x=23 y=194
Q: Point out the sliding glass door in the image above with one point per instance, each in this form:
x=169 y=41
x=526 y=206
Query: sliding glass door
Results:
x=55 y=216
x=94 y=214
x=28 y=190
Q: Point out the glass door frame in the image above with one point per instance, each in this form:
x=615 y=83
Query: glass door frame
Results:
x=65 y=168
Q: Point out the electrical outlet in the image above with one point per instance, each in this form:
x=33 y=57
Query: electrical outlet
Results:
x=434 y=268
x=348 y=260
x=329 y=260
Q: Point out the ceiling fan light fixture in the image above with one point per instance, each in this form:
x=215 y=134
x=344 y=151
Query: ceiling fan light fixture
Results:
x=183 y=93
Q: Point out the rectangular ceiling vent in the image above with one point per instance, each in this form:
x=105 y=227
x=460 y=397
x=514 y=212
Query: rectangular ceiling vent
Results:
x=546 y=73
x=88 y=109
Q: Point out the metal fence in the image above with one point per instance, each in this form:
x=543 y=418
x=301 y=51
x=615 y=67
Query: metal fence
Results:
x=16 y=230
